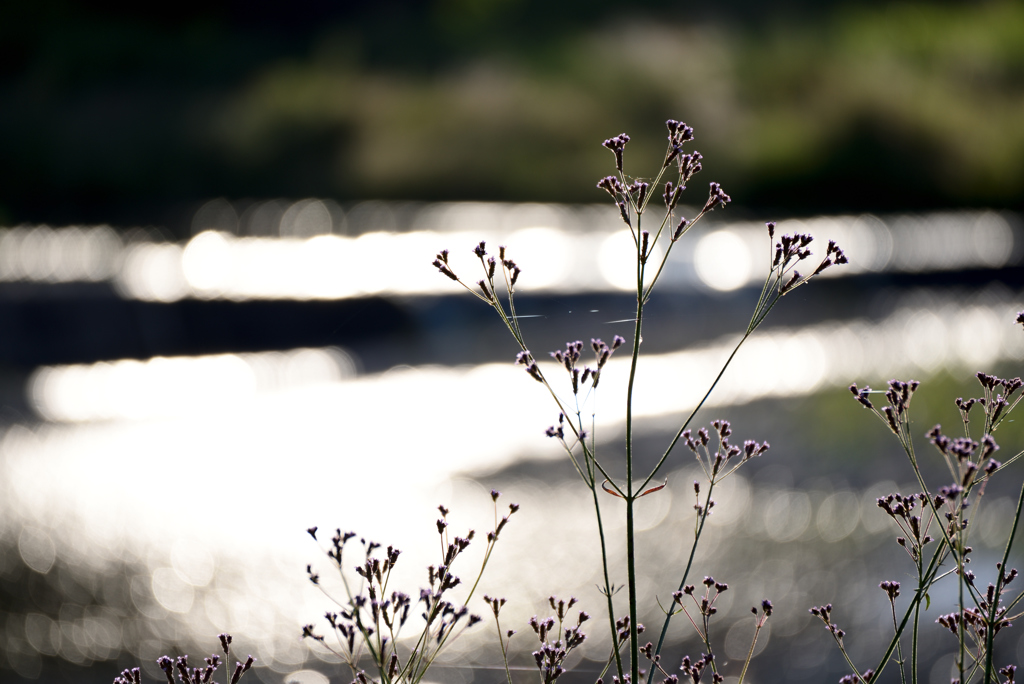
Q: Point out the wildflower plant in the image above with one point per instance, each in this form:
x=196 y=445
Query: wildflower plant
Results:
x=204 y=674
x=572 y=385
x=372 y=616
x=935 y=527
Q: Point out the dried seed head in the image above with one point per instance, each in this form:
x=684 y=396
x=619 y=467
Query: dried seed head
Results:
x=678 y=132
x=612 y=186
x=617 y=145
x=639 y=190
x=442 y=267
x=624 y=213
x=486 y=291
x=689 y=165
x=671 y=195
x=988 y=446
x=534 y=372
x=892 y=589
x=716 y=197
x=680 y=228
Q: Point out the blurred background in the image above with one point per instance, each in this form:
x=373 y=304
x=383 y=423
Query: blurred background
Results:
x=220 y=325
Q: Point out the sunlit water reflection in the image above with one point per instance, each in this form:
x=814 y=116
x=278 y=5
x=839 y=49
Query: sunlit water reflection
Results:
x=316 y=249
x=163 y=522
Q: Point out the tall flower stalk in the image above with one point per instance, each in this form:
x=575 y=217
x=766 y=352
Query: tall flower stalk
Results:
x=632 y=197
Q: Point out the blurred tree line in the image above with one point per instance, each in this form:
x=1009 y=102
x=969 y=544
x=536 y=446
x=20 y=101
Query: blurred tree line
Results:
x=803 y=107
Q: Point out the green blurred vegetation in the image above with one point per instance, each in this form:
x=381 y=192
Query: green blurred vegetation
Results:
x=848 y=439
x=867 y=107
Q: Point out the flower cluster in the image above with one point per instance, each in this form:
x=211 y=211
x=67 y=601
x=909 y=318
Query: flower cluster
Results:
x=788 y=253
x=902 y=510
x=571 y=356
x=557 y=639
x=195 y=675
x=824 y=613
x=894 y=414
x=790 y=250
x=864 y=678
x=617 y=145
x=716 y=197
x=129 y=676
x=891 y=589
x=370 y=618
x=693 y=670
x=998 y=399
x=678 y=133
x=704 y=605
x=487 y=292
x=715 y=463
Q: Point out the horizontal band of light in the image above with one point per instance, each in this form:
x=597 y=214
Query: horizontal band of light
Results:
x=560 y=249
x=775 y=363
x=163 y=387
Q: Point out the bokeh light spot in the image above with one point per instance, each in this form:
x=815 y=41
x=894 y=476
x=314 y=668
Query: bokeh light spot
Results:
x=723 y=261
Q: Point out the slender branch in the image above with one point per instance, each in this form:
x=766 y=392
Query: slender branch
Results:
x=689 y=418
x=993 y=609
x=686 y=572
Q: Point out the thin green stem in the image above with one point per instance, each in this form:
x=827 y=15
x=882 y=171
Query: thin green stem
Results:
x=908 y=447
x=929 y=576
x=664 y=259
x=960 y=592
x=607 y=580
x=504 y=650
x=689 y=418
x=993 y=609
x=917 y=622
x=899 y=648
x=634 y=638
x=686 y=572
x=750 y=653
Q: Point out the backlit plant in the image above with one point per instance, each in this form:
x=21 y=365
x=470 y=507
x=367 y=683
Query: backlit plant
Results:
x=636 y=200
